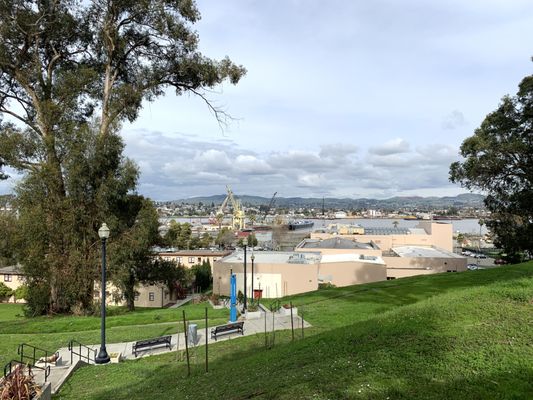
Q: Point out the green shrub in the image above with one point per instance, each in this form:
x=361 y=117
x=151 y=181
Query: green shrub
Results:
x=38 y=299
x=21 y=292
x=327 y=285
x=5 y=291
x=202 y=275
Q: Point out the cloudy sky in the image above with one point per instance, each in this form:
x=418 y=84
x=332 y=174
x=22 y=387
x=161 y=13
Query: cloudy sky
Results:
x=342 y=98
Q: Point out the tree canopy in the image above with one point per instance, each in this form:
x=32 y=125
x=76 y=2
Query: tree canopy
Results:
x=499 y=161
x=70 y=73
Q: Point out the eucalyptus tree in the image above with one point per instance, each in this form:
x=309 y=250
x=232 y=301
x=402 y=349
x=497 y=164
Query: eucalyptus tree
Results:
x=498 y=161
x=70 y=73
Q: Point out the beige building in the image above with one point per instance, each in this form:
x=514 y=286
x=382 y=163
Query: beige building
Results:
x=344 y=259
x=406 y=252
x=12 y=277
x=188 y=258
x=280 y=274
x=338 y=245
x=418 y=260
x=159 y=295
x=426 y=233
x=155 y=296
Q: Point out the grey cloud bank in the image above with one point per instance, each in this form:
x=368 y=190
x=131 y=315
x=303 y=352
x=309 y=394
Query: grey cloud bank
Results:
x=185 y=166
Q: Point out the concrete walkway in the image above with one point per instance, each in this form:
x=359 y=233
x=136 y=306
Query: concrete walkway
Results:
x=60 y=373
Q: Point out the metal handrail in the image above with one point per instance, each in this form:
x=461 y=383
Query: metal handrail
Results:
x=46 y=369
x=33 y=357
x=74 y=343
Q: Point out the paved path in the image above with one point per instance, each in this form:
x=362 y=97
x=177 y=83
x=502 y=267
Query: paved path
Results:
x=59 y=374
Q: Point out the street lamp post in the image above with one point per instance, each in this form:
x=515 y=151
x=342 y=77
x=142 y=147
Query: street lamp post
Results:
x=245 y=244
x=103 y=357
x=253 y=258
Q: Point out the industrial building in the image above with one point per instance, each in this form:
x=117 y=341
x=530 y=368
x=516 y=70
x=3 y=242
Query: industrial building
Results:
x=278 y=274
x=343 y=256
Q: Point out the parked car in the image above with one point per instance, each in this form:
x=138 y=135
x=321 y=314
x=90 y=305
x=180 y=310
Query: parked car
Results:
x=500 y=261
x=472 y=267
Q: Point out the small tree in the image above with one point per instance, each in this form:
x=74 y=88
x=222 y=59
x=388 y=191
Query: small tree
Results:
x=252 y=240
x=202 y=275
x=21 y=292
x=224 y=238
x=5 y=292
x=206 y=240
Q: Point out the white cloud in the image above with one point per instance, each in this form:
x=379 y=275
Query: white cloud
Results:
x=311 y=180
x=393 y=146
x=454 y=120
x=248 y=164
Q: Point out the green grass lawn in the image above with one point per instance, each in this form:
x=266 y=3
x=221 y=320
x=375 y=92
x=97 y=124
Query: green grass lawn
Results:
x=51 y=333
x=448 y=336
x=10 y=312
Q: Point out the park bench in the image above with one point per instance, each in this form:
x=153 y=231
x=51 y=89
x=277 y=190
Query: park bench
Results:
x=149 y=343
x=228 y=328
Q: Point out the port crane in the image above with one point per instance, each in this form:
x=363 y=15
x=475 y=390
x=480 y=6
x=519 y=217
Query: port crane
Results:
x=269 y=206
x=238 y=217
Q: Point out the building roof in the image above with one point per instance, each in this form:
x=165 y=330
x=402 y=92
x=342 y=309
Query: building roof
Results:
x=333 y=258
x=12 y=269
x=334 y=243
x=204 y=252
x=273 y=257
x=387 y=231
x=423 y=252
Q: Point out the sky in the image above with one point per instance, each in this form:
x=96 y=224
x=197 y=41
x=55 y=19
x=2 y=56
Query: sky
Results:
x=341 y=98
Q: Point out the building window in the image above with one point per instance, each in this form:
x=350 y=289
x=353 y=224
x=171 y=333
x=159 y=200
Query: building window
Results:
x=7 y=278
x=191 y=259
x=199 y=260
x=451 y=270
x=390 y=278
x=151 y=296
x=136 y=296
x=178 y=260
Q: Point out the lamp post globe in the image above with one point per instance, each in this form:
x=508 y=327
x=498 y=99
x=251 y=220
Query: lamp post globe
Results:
x=103 y=357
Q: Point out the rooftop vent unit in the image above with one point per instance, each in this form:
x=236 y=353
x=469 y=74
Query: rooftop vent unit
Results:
x=297 y=258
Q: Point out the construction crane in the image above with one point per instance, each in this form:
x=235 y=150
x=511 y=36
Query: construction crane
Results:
x=269 y=206
x=238 y=214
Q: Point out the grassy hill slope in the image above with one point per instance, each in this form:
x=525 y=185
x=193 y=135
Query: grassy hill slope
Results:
x=449 y=336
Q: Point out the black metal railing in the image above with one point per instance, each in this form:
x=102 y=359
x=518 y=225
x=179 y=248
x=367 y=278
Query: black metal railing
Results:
x=8 y=368
x=33 y=354
x=83 y=352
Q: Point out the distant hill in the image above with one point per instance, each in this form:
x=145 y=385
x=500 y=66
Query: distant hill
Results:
x=462 y=200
